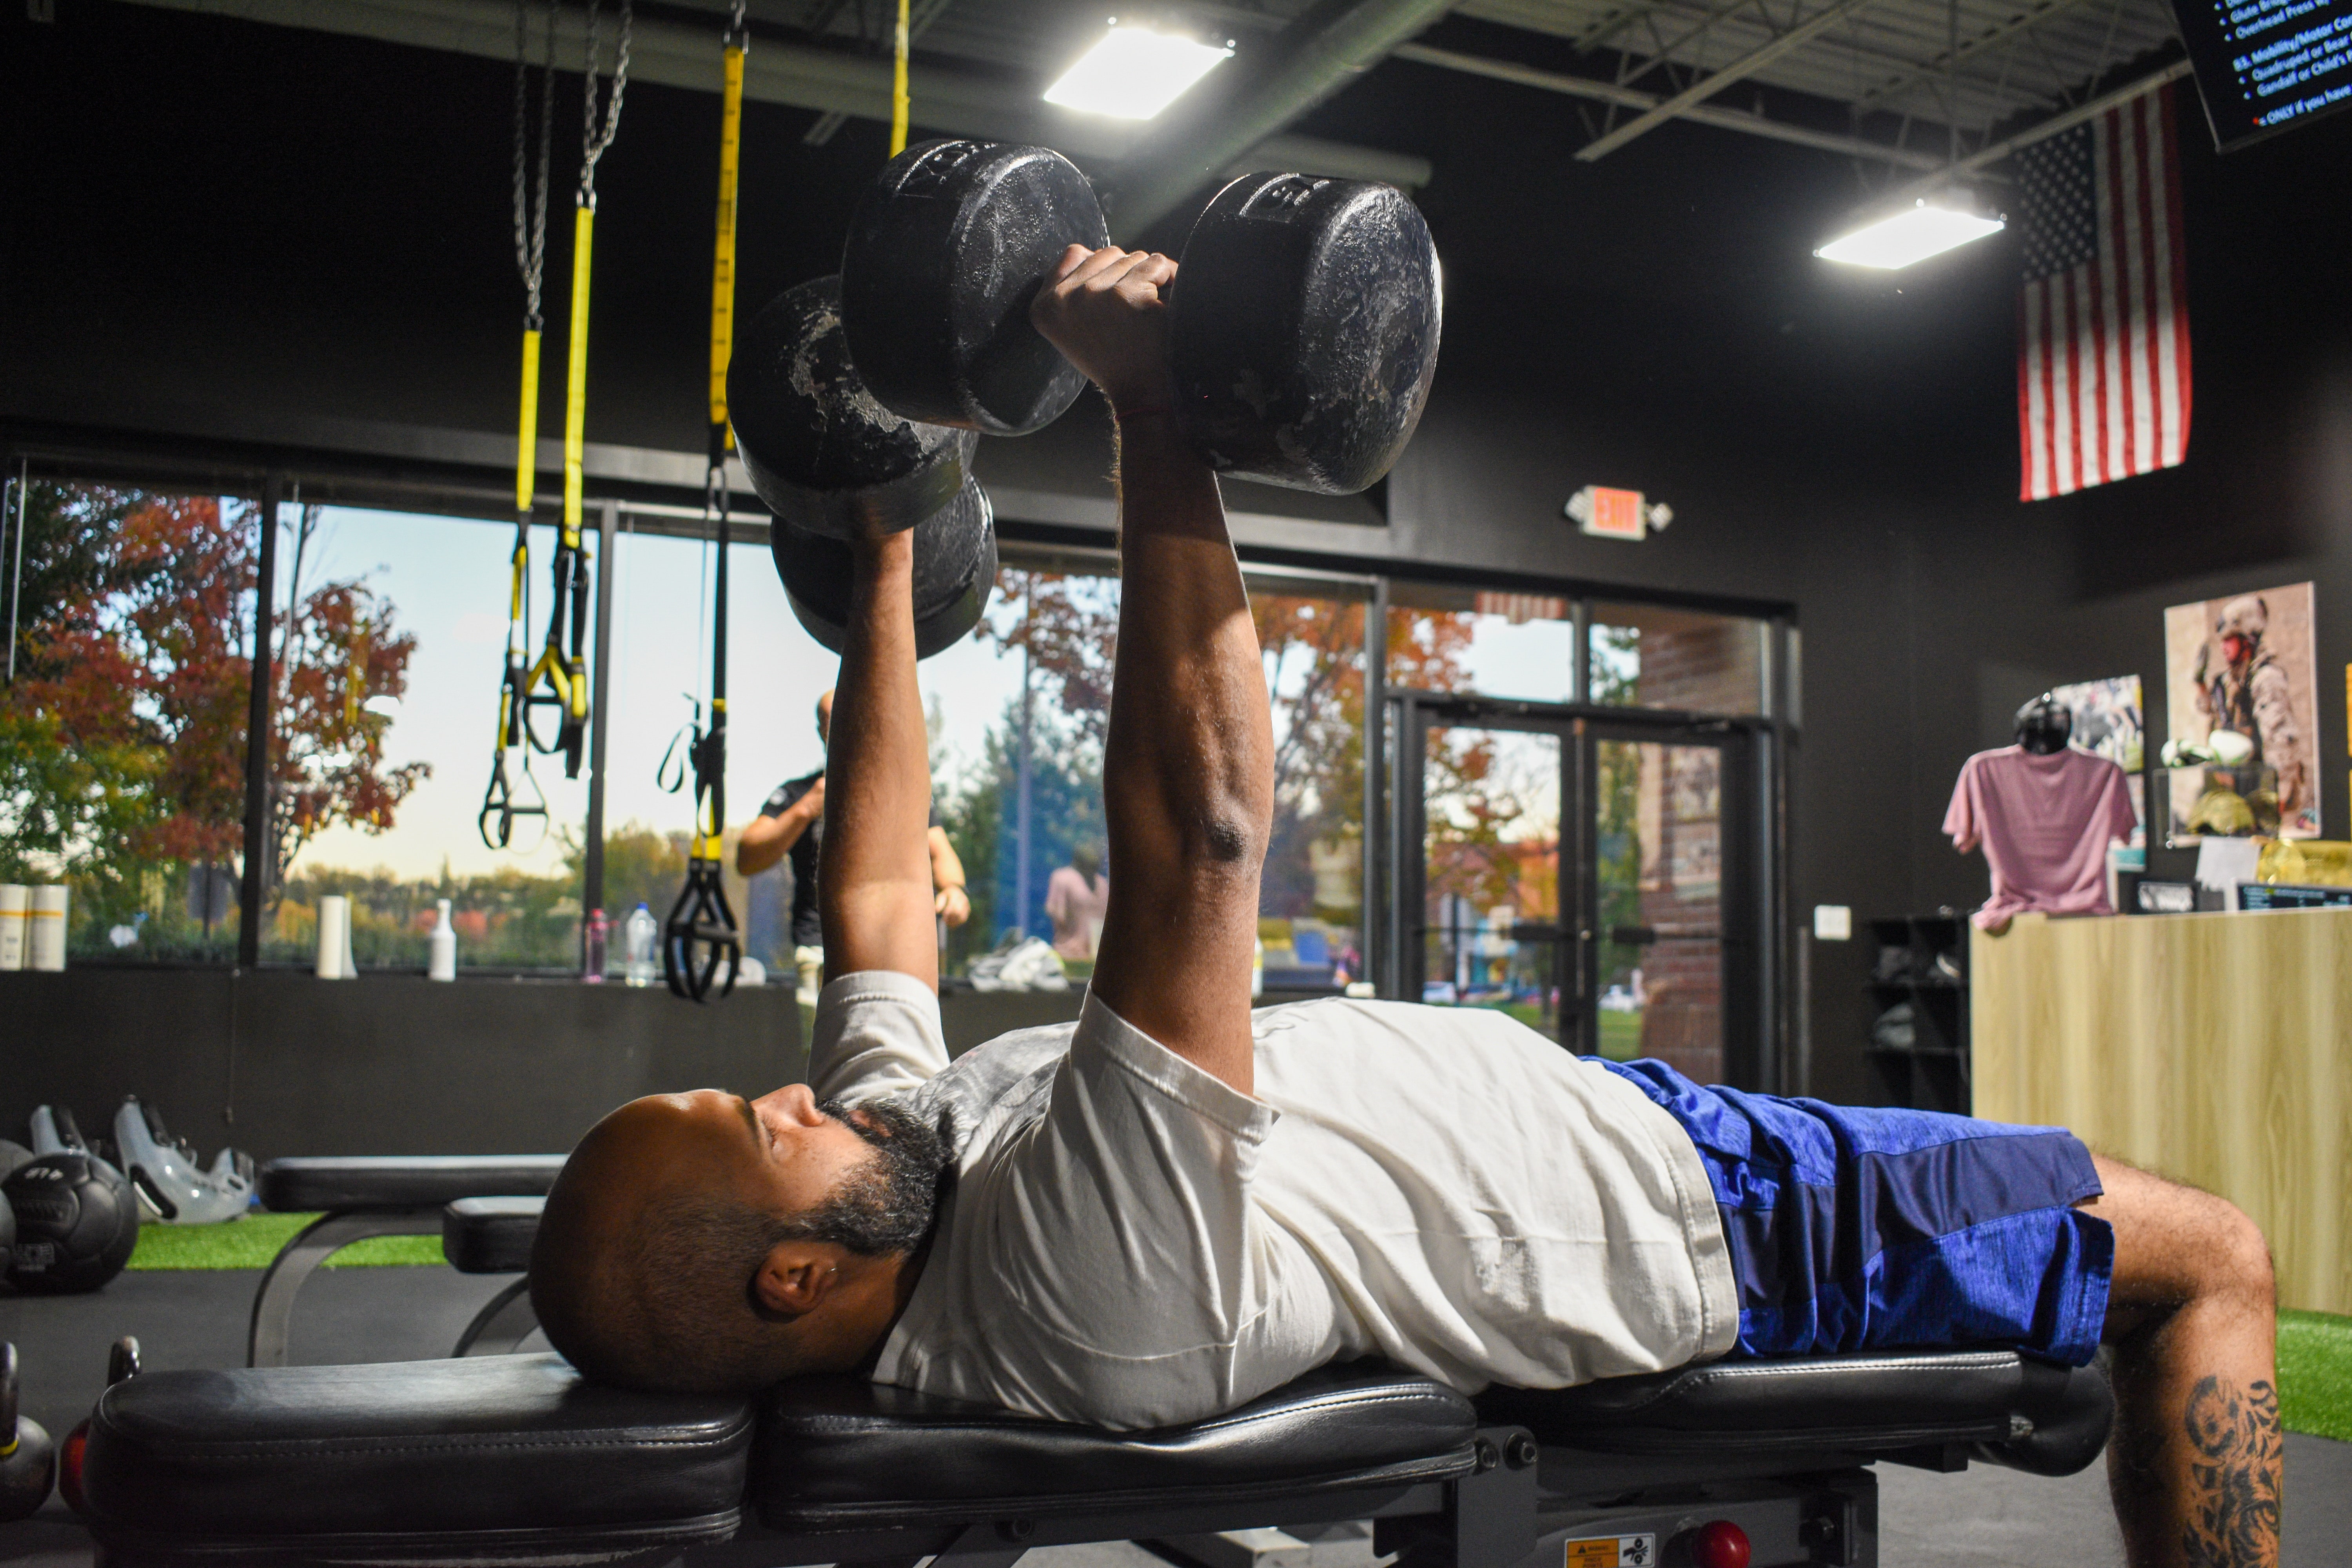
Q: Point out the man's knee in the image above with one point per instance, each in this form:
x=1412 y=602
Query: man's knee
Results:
x=2240 y=1261
x=2177 y=1244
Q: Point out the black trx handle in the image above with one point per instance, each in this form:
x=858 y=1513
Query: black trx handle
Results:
x=700 y=938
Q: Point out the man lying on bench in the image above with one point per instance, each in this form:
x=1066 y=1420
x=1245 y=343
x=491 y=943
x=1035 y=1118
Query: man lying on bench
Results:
x=1176 y=1205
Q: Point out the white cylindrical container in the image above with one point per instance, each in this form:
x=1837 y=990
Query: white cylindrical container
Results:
x=45 y=937
x=15 y=910
x=334 y=936
x=442 y=960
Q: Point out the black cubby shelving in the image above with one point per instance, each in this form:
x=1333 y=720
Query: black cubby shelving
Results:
x=1932 y=1072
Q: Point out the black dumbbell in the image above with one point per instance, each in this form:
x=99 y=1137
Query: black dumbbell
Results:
x=955 y=572
x=28 y=1460
x=832 y=463
x=1303 y=324
x=821 y=452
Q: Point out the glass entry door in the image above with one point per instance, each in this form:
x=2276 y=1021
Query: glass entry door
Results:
x=1486 y=813
x=1586 y=875
x=1656 y=976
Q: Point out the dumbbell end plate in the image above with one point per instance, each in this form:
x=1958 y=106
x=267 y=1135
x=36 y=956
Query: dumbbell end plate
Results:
x=955 y=574
x=1302 y=330
x=823 y=454
x=945 y=251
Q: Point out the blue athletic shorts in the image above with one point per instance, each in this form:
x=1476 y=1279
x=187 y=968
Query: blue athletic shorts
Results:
x=1855 y=1229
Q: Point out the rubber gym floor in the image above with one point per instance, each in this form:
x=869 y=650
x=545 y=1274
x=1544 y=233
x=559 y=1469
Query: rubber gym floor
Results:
x=1987 y=1518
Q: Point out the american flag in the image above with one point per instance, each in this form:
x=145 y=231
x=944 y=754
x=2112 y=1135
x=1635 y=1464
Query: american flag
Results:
x=2103 y=311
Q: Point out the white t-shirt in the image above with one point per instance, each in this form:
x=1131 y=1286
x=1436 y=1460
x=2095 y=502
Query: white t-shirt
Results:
x=1129 y=1242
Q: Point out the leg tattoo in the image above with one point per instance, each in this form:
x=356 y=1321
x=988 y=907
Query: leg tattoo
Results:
x=2236 y=1449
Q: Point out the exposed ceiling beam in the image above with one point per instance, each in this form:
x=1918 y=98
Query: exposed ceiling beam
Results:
x=1316 y=55
x=2039 y=132
x=1608 y=27
x=1974 y=46
x=1699 y=91
x=680 y=55
x=1700 y=114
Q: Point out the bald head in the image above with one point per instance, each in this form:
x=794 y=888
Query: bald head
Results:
x=700 y=1242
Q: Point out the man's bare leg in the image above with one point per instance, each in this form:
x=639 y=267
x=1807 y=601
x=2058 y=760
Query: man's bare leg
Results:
x=2194 y=1462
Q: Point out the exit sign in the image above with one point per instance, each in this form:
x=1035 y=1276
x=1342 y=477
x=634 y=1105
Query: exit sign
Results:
x=1616 y=514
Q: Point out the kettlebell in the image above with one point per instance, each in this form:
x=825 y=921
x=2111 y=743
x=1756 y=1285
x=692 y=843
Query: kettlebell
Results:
x=28 y=1460
x=121 y=1362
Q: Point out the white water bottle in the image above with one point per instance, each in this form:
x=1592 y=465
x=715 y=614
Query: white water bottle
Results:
x=45 y=937
x=16 y=914
x=643 y=965
x=441 y=949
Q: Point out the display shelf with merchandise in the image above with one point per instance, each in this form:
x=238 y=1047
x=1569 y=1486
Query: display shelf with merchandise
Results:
x=1919 y=1045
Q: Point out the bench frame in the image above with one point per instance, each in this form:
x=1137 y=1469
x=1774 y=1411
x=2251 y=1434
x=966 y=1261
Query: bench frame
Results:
x=1517 y=1505
x=271 y=1329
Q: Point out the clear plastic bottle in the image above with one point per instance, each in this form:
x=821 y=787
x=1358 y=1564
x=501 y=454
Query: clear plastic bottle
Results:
x=642 y=934
x=594 y=936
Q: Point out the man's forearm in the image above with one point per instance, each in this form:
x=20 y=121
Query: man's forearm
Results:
x=873 y=882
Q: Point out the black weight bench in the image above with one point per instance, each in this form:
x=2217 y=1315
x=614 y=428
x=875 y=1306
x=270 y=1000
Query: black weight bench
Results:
x=363 y=1195
x=514 y=1460
x=493 y=1236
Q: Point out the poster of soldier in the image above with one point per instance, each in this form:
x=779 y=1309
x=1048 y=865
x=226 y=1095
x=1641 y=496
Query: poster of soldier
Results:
x=2241 y=693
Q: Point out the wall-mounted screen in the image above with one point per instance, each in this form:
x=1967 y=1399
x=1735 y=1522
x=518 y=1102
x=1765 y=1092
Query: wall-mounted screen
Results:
x=2265 y=64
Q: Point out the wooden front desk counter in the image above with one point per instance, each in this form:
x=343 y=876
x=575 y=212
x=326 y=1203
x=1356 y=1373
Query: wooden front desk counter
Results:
x=2215 y=1049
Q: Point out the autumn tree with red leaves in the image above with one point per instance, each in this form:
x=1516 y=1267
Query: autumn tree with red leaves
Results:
x=122 y=737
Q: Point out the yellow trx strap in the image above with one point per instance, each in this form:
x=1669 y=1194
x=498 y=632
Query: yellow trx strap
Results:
x=898 y=87
x=722 y=271
x=701 y=948
x=558 y=678
x=576 y=385
x=527 y=428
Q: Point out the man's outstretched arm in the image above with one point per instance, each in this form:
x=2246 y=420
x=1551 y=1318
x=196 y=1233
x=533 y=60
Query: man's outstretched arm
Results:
x=1188 y=771
x=874 y=878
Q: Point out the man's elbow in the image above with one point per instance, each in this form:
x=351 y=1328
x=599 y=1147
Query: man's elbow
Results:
x=1226 y=838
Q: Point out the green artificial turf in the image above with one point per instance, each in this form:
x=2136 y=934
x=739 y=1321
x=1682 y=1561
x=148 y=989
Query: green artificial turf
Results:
x=2315 y=1374
x=253 y=1241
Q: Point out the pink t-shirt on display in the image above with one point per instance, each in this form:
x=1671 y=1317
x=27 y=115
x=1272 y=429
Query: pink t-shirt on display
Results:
x=2045 y=824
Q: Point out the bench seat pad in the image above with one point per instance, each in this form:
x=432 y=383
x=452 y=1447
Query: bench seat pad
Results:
x=2009 y=1408
x=838 y=1453
x=489 y=1235
x=412 y=1449
x=402 y=1181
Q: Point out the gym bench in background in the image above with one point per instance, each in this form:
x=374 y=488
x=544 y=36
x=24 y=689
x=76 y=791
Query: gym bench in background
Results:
x=493 y=1236
x=515 y=1460
x=364 y=1195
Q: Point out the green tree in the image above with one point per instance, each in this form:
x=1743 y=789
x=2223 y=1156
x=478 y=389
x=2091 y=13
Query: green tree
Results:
x=122 y=737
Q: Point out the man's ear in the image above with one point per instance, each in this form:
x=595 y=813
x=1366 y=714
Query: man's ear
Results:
x=796 y=1277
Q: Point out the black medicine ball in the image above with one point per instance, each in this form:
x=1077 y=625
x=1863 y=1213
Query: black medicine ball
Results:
x=77 y=1222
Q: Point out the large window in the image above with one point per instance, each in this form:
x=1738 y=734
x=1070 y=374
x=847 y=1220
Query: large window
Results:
x=122 y=737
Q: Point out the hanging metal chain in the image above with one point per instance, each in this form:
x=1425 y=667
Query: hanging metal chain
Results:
x=593 y=142
x=530 y=225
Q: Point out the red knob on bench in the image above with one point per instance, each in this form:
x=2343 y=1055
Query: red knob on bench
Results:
x=1721 y=1544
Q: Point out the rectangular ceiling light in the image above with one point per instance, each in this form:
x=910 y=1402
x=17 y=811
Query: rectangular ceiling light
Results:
x=1912 y=235
x=1134 y=73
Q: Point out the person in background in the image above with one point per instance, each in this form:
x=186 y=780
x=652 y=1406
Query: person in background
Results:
x=792 y=822
x=1075 y=898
